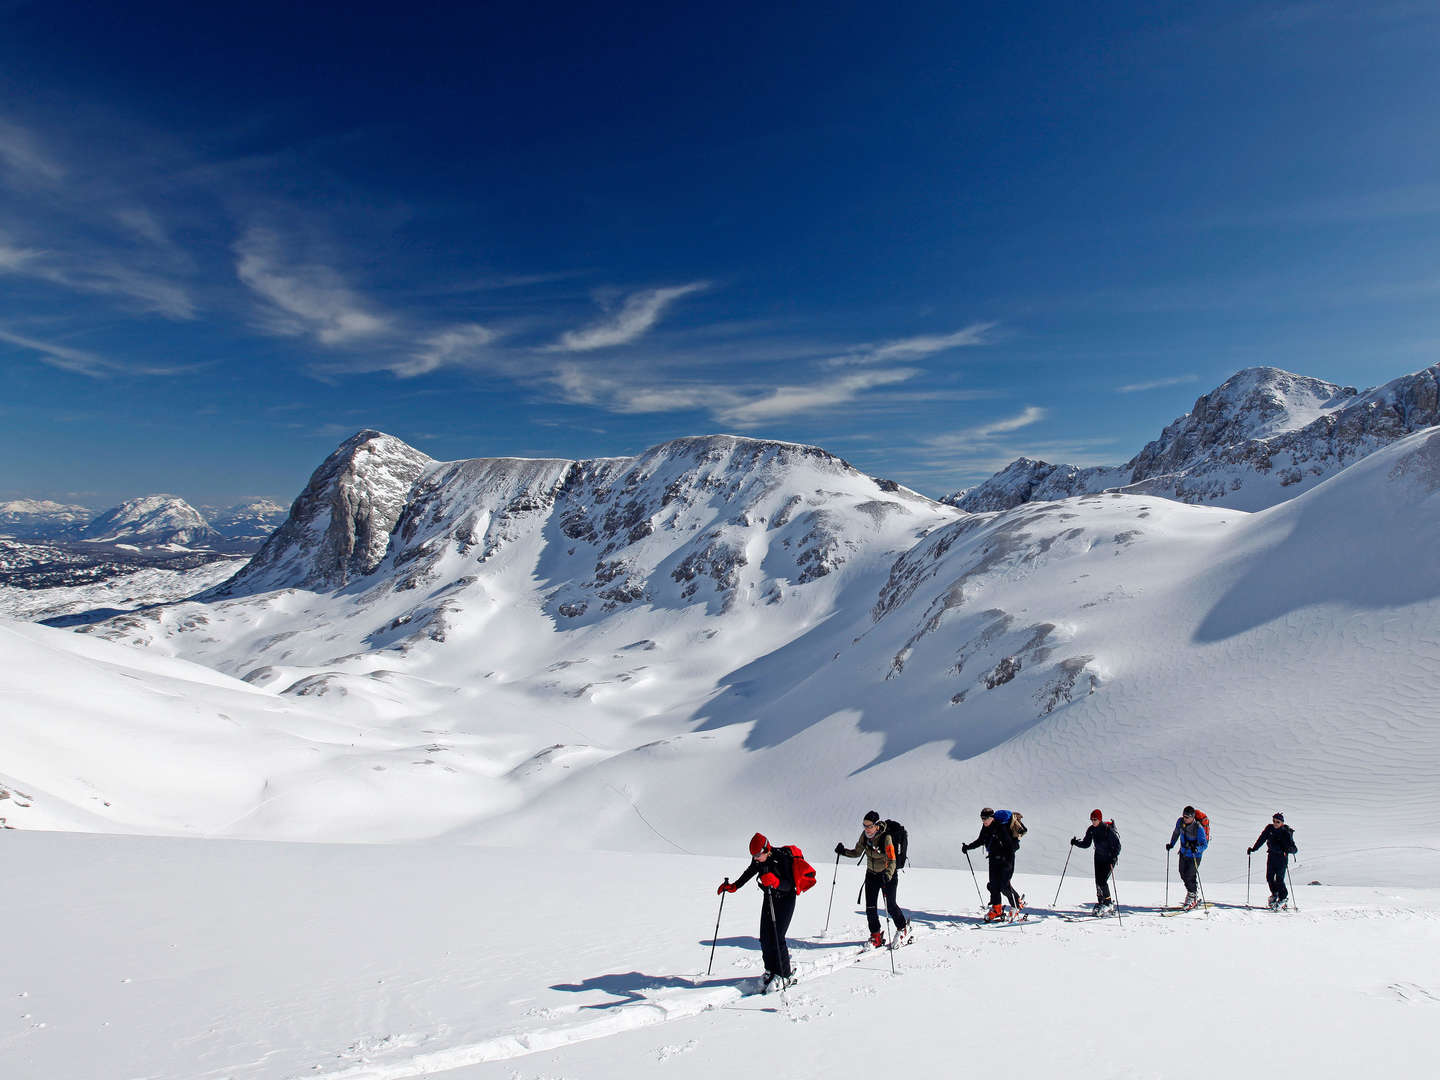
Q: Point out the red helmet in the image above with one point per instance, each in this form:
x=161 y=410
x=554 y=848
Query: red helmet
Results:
x=1095 y=815
x=758 y=843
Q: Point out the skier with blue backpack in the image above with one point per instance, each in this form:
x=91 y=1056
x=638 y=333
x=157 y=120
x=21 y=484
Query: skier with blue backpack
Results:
x=1000 y=833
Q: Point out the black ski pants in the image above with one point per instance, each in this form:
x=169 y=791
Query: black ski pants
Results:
x=1190 y=872
x=1103 y=870
x=875 y=883
x=772 y=932
x=1276 y=863
x=1002 y=869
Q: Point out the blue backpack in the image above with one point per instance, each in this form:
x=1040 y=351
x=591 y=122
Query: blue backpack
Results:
x=1012 y=818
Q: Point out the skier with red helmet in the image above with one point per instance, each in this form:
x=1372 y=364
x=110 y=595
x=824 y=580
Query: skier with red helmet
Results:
x=775 y=869
x=1106 y=839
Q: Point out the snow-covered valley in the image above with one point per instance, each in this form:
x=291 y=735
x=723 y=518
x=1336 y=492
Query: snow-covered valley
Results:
x=525 y=714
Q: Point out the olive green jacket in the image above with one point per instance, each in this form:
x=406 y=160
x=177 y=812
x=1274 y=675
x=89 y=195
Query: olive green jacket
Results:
x=879 y=853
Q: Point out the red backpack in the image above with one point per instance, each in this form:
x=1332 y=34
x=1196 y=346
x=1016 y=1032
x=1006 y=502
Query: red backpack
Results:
x=803 y=871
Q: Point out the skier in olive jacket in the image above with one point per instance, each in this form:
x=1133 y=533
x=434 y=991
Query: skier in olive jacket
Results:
x=1000 y=844
x=1279 y=840
x=775 y=867
x=1106 y=839
x=876 y=844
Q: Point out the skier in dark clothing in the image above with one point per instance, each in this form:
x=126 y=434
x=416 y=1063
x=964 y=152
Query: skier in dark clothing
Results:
x=1000 y=844
x=876 y=844
x=1106 y=839
x=1279 y=840
x=1193 y=842
x=777 y=881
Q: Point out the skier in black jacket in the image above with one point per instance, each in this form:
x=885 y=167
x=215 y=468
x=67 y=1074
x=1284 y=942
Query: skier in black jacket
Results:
x=777 y=881
x=1000 y=844
x=1106 y=839
x=1279 y=840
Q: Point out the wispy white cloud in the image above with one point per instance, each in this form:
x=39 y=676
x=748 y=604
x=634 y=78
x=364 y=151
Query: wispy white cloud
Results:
x=929 y=344
x=637 y=315
x=24 y=160
x=1156 y=384
x=100 y=274
x=303 y=298
x=981 y=436
x=13 y=259
x=825 y=394
x=913 y=347
x=62 y=356
x=456 y=345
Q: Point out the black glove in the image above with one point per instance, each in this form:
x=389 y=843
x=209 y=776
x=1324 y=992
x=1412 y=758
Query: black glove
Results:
x=1169 y=846
x=1074 y=841
x=965 y=848
x=1249 y=851
x=839 y=849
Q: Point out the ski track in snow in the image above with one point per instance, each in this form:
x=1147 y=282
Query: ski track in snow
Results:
x=679 y=1004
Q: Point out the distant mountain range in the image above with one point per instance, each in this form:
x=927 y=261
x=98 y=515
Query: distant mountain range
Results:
x=146 y=522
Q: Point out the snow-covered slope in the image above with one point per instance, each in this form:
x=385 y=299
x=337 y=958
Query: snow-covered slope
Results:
x=150 y=519
x=624 y=653
x=178 y=959
x=116 y=589
x=1261 y=437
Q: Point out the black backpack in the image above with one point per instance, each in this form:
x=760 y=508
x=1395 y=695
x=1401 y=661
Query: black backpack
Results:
x=901 y=839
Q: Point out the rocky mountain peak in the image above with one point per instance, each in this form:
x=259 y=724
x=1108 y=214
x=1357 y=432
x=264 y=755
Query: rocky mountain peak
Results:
x=339 y=526
x=150 y=519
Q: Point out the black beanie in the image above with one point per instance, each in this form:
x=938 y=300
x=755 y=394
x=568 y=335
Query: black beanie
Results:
x=873 y=815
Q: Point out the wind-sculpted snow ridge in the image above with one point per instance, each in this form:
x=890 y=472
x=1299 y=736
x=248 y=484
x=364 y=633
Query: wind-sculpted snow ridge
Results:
x=1261 y=437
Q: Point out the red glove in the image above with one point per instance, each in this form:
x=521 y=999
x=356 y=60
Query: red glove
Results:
x=769 y=880
x=724 y=888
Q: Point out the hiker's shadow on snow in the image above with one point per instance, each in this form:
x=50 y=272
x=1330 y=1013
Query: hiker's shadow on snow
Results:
x=632 y=987
x=934 y=918
x=795 y=944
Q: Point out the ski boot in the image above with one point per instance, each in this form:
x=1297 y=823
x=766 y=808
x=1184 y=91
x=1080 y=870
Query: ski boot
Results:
x=995 y=912
x=1192 y=901
x=877 y=939
x=902 y=937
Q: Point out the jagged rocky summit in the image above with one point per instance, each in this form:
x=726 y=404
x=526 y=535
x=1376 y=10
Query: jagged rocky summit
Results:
x=678 y=518
x=1260 y=438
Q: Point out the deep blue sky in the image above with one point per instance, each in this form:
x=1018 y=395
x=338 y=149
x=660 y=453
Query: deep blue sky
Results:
x=928 y=239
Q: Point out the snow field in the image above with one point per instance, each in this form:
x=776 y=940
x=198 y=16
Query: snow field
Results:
x=175 y=959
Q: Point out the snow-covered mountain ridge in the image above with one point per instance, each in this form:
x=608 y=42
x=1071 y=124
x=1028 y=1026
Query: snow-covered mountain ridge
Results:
x=583 y=652
x=1261 y=437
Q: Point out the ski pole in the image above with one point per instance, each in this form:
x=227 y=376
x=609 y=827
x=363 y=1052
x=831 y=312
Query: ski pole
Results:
x=1167 y=877
x=1115 y=892
x=1248 y=855
x=1062 y=876
x=974 y=879
x=716 y=940
x=890 y=933
x=1200 y=888
x=832 y=895
x=775 y=933
x=1291 y=879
